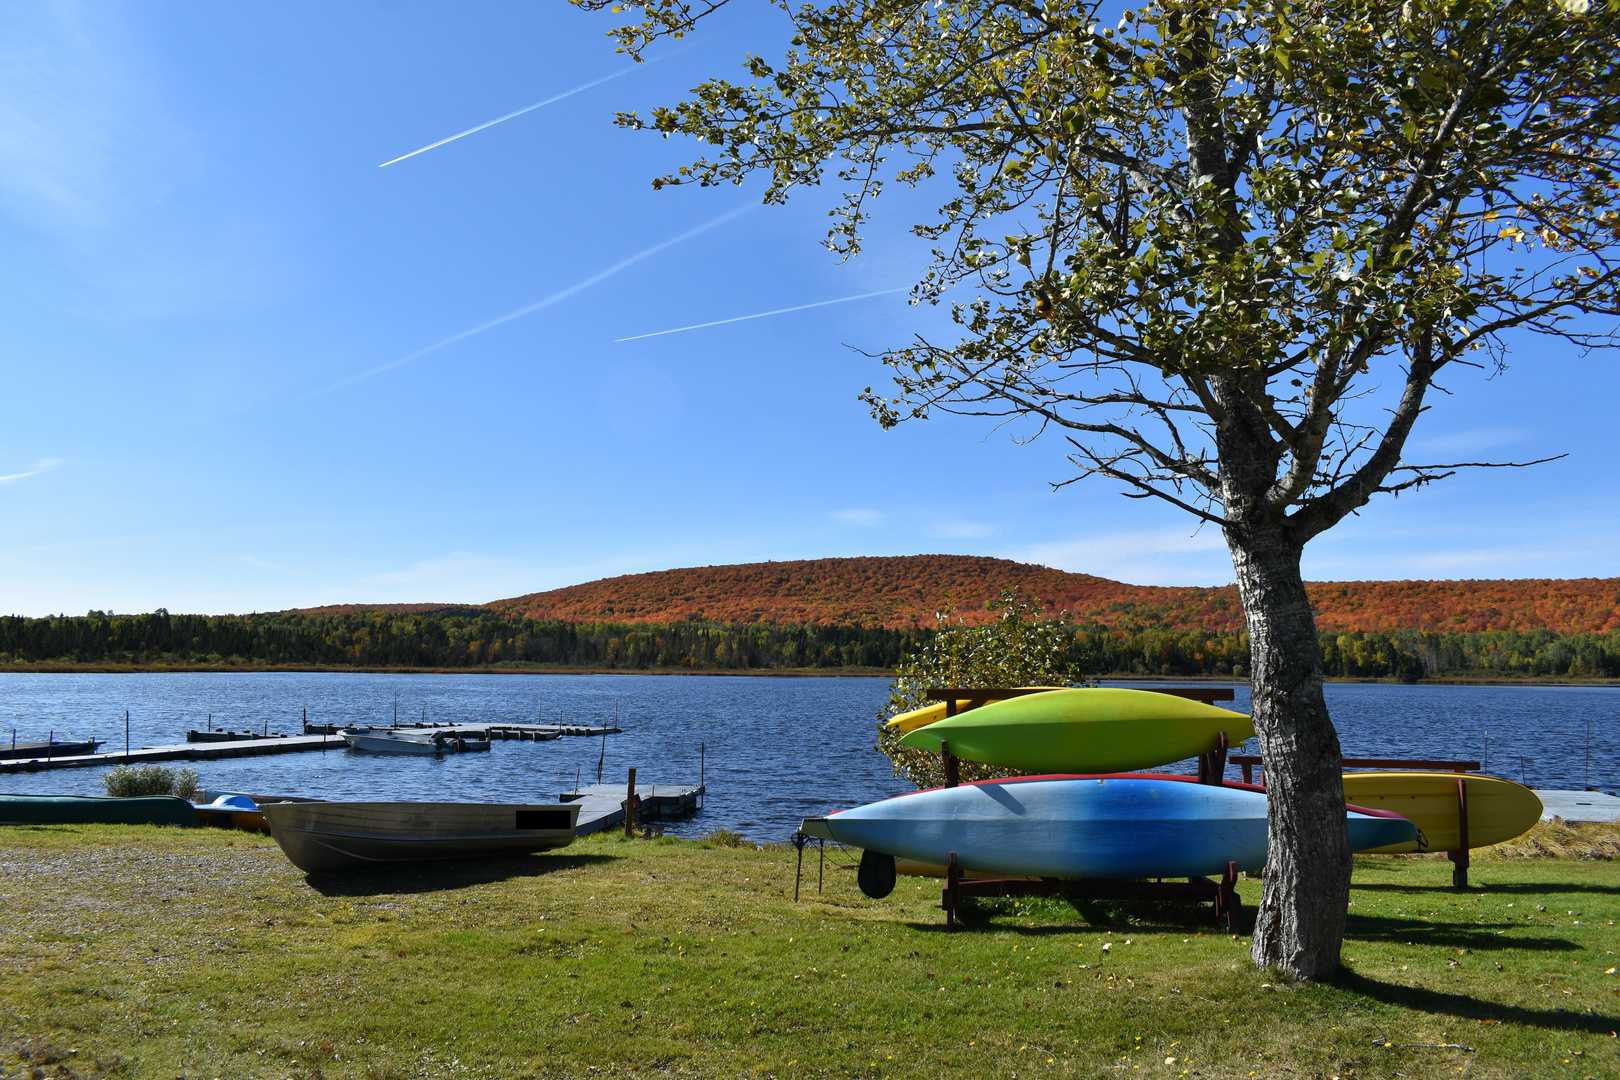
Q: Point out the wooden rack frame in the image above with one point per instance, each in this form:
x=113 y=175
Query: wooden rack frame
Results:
x=1221 y=895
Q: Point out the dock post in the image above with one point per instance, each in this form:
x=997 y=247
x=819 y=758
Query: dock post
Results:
x=630 y=806
x=50 y=743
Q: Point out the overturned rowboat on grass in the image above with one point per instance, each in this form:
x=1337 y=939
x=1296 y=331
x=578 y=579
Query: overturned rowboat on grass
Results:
x=345 y=837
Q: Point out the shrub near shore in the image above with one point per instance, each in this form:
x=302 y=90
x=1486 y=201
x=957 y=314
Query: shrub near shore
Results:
x=161 y=952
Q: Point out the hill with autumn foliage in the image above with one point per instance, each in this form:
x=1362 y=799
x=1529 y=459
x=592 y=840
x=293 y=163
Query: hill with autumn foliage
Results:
x=907 y=591
x=864 y=615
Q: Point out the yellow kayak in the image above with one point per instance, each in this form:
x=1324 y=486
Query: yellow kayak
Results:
x=907 y=722
x=1498 y=809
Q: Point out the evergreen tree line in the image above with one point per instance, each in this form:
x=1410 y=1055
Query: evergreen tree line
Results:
x=477 y=639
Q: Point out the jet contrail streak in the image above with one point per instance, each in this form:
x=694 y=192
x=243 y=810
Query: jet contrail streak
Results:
x=544 y=303
x=510 y=115
x=762 y=314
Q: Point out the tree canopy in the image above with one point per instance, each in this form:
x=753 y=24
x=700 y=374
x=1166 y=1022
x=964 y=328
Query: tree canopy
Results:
x=1274 y=196
x=1226 y=249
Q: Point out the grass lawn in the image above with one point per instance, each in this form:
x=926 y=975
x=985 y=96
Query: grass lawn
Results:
x=200 y=953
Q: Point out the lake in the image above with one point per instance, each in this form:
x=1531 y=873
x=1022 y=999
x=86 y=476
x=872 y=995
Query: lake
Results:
x=773 y=750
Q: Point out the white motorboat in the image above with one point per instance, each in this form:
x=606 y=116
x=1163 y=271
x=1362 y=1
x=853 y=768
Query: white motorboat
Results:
x=386 y=741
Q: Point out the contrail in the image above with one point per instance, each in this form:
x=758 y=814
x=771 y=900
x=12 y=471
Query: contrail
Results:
x=510 y=115
x=545 y=303
x=763 y=314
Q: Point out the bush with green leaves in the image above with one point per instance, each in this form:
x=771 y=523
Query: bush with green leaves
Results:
x=1022 y=647
x=127 y=781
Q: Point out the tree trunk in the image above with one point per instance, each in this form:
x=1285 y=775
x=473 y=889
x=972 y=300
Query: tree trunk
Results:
x=1300 y=926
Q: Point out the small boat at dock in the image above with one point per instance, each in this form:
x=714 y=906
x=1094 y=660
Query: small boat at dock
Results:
x=392 y=741
x=344 y=837
x=54 y=748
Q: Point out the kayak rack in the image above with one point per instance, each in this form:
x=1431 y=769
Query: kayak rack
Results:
x=1459 y=858
x=1221 y=895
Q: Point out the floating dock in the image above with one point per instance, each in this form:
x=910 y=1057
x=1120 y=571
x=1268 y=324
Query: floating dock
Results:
x=276 y=743
x=1578 y=807
x=601 y=806
x=147 y=755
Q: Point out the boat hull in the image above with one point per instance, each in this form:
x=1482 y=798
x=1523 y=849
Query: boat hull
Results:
x=1082 y=827
x=91 y=810
x=343 y=837
x=1089 y=730
x=391 y=744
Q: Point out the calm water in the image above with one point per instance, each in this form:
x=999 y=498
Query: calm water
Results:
x=773 y=749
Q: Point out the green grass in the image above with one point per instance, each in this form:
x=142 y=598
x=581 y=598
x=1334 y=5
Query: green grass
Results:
x=199 y=953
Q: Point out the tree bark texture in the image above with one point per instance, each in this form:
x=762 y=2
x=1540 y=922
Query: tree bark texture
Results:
x=1300 y=925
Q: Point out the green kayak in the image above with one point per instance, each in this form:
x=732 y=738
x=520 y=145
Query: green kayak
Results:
x=85 y=810
x=1085 y=731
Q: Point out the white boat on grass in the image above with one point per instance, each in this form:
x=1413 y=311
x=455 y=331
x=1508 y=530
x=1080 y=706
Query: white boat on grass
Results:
x=342 y=837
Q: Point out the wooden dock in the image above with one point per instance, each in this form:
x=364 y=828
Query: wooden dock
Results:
x=498 y=732
x=601 y=806
x=1578 y=806
x=275 y=743
x=147 y=755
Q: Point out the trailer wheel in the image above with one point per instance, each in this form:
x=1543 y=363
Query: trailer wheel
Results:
x=876 y=874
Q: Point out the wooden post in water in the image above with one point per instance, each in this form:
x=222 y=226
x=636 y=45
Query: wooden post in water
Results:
x=50 y=744
x=126 y=736
x=630 y=806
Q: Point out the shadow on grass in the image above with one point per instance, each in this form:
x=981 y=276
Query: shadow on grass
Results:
x=1517 y=888
x=1000 y=914
x=1373 y=928
x=446 y=875
x=1472 y=1008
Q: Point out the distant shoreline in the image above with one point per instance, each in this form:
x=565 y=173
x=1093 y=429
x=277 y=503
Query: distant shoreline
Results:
x=777 y=673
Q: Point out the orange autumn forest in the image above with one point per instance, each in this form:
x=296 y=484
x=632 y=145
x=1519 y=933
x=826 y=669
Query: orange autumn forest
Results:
x=865 y=615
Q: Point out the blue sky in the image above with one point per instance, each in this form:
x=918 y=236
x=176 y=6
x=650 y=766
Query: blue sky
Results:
x=209 y=287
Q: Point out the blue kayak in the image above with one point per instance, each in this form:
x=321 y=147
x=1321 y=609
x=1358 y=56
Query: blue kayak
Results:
x=1126 y=826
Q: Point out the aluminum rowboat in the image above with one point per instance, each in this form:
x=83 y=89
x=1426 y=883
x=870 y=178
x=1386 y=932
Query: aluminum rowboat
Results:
x=343 y=837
